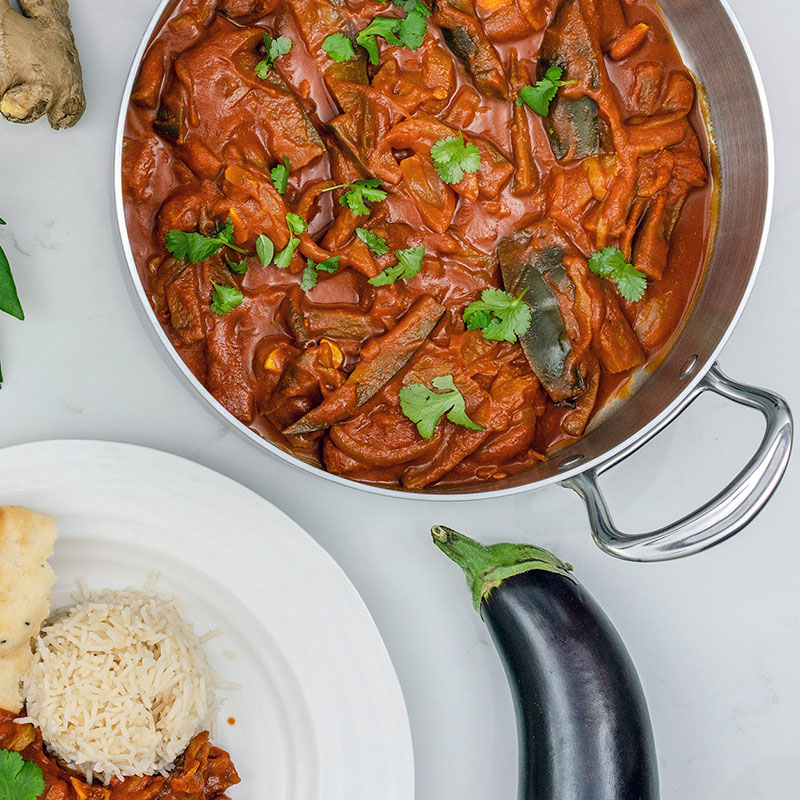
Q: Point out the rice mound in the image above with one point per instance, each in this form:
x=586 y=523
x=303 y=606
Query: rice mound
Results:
x=119 y=684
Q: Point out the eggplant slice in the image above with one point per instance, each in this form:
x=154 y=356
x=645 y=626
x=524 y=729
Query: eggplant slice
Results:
x=546 y=343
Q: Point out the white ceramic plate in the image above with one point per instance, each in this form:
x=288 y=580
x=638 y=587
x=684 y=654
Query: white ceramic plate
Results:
x=320 y=715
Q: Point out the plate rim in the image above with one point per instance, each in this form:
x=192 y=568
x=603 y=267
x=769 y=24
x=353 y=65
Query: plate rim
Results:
x=89 y=450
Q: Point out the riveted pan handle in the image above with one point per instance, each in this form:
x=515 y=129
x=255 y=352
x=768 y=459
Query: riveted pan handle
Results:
x=732 y=509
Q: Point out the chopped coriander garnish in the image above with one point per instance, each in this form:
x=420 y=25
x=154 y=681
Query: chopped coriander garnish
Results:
x=413 y=5
x=452 y=157
x=280 y=176
x=409 y=31
x=339 y=47
x=296 y=223
x=265 y=249
x=310 y=273
x=409 y=263
x=501 y=316
x=610 y=263
x=284 y=257
x=357 y=193
x=375 y=243
x=275 y=48
x=296 y=226
x=539 y=97
x=386 y=27
x=194 y=247
x=19 y=779
x=309 y=279
x=413 y=29
x=425 y=407
x=239 y=267
x=225 y=298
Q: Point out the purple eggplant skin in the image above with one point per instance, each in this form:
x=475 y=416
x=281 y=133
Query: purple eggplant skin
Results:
x=583 y=727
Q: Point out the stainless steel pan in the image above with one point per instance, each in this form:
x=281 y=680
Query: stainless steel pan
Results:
x=713 y=45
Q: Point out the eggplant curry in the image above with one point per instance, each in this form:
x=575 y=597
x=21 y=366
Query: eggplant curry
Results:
x=418 y=244
x=204 y=772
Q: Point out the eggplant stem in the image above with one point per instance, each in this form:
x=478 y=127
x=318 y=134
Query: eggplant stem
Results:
x=487 y=567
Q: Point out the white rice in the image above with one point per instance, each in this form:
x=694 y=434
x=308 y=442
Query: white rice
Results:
x=119 y=684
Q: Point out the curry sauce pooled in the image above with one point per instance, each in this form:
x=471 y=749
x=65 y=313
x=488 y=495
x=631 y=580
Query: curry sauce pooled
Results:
x=417 y=245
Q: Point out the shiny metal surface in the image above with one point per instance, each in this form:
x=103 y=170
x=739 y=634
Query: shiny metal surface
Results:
x=714 y=47
x=727 y=513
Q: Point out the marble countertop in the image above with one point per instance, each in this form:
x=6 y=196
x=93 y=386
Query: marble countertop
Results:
x=716 y=637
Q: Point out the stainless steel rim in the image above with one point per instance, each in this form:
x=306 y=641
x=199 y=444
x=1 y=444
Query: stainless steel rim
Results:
x=615 y=454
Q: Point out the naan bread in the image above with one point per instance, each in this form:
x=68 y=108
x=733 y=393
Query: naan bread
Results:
x=26 y=593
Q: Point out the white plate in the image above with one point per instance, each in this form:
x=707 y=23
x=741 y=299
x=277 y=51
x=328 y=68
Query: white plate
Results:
x=320 y=715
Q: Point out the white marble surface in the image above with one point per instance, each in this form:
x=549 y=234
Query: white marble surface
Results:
x=716 y=637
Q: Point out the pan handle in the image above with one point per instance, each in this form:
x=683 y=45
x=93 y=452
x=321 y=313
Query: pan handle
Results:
x=724 y=515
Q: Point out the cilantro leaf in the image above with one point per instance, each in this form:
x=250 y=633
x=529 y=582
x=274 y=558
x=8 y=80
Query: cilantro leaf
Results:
x=358 y=192
x=501 y=316
x=387 y=27
x=425 y=407
x=19 y=779
x=539 y=97
x=224 y=298
x=295 y=222
x=339 y=47
x=375 y=243
x=284 y=257
x=265 y=249
x=194 y=247
x=309 y=279
x=239 y=267
x=452 y=157
x=409 y=263
x=610 y=263
x=310 y=273
x=412 y=29
x=330 y=264
x=280 y=176
x=275 y=48
x=479 y=318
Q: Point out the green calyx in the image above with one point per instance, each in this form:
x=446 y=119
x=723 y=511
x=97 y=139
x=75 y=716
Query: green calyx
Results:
x=487 y=567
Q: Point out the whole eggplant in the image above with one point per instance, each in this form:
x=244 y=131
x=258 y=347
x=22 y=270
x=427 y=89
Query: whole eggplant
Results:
x=583 y=727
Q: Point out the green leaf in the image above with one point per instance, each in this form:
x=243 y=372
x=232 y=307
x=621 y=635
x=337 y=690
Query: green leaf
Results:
x=385 y=27
x=610 y=263
x=357 y=192
x=330 y=264
x=225 y=298
x=284 y=257
x=452 y=157
x=265 y=249
x=413 y=29
x=280 y=176
x=339 y=47
x=309 y=280
x=375 y=243
x=238 y=267
x=194 y=247
x=409 y=263
x=296 y=223
x=539 y=97
x=479 y=318
x=19 y=779
x=312 y=270
x=9 y=299
x=501 y=316
x=425 y=407
x=275 y=48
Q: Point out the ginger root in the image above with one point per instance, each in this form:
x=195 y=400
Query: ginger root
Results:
x=39 y=67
